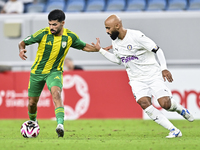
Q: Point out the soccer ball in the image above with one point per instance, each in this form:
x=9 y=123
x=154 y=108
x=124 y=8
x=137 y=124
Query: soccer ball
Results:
x=30 y=129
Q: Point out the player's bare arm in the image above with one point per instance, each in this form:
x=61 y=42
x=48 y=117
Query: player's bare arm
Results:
x=98 y=46
x=92 y=48
x=22 y=50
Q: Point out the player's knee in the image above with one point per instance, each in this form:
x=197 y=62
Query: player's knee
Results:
x=56 y=95
x=32 y=104
x=165 y=102
x=144 y=103
x=166 y=106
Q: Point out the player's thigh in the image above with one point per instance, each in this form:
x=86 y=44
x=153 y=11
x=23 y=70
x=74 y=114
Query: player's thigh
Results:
x=55 y=79
x=140 y=89
x=36 y=85
x=160 y=89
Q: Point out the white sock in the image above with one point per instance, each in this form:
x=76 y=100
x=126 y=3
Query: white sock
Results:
x=158 y=117
x=175 y=106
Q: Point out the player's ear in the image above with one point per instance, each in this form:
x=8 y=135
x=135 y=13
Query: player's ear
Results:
x=63 y=22
x=117 y=26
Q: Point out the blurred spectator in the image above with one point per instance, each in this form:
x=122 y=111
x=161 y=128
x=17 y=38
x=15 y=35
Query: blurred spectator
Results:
x=2 y=3
x=27 y=2
x=13 y=6
x=69 y=64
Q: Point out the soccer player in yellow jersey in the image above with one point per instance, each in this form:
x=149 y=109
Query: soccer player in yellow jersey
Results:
x=53 y=44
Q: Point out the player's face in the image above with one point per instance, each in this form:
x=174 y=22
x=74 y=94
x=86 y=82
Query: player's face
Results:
x=111 y=31
x=56 y=27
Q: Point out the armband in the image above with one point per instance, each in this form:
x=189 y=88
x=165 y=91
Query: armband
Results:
x=155 y=49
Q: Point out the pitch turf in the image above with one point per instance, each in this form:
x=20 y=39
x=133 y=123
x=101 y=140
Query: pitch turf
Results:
x=127 y=134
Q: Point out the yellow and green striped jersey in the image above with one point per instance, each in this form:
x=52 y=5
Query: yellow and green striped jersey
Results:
x=52 y=49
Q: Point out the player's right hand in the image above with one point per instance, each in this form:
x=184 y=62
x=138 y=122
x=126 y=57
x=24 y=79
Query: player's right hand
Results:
x=22 y=54
x=108 y=48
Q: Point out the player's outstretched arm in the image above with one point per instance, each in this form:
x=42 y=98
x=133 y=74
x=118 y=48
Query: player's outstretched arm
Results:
x=110 y=56
x=92 y=48
x=105 y=53
x=22 y=50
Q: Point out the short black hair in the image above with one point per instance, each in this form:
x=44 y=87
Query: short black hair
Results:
x=56 y=14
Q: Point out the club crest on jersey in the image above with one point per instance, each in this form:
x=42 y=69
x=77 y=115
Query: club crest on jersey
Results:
x=64 y=44
x=129 y=47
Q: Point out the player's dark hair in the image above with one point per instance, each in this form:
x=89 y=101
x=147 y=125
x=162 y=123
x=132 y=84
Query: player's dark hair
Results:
x=56 y=15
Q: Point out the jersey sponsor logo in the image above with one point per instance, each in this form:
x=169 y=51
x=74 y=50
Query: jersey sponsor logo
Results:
x=64 y=44
x=49 y=43
x=129 y=47
x=57 y=77
x=128 y=58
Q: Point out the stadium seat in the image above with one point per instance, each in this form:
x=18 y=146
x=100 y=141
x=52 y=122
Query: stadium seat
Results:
x=156 y=5
x=40 y=1
x=75 y=6
x=136 y=5
x=95 y=5
x=115 y=5
x=55 y=4
x=177 y=5
x=194 y=5
x=36 y=8
x=49 y=1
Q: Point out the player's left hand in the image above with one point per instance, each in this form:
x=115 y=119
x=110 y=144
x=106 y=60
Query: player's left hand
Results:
x=167 y=75
x=97 y=45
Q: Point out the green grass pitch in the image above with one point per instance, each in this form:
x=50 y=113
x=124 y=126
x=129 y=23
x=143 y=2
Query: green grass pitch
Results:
x=108 y=134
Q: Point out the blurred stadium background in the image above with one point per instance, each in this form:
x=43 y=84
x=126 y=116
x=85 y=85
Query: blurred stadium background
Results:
x=172 y=24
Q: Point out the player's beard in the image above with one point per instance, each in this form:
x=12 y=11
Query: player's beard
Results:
x=114 y=35
x=57 y=32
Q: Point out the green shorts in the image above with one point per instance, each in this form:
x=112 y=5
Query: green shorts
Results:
x=37 y=82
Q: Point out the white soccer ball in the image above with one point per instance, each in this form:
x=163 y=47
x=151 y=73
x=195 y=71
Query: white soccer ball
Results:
x=30 y=129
